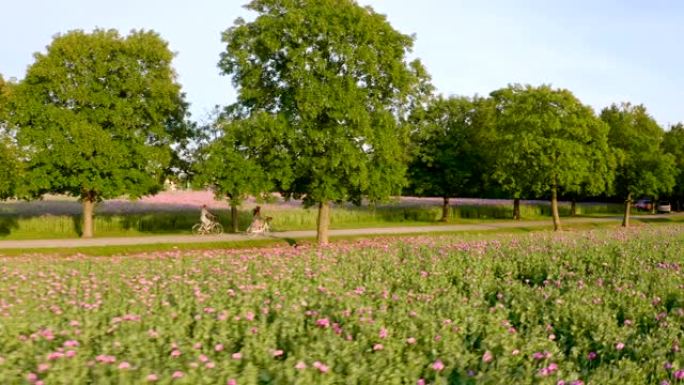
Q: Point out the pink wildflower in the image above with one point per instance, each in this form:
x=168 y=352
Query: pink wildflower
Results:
x=237 y=356
x=124 y=365
x=152 y=377
x=321 y=367
x=300 y=365
x=177 y=374
x=377 y=347
x=438 y=365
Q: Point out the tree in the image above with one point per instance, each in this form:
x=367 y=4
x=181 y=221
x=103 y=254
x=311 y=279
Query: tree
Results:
x=448 y=159
x=335 y=74
x=10 y=165
x=548 y=142
x=230 y=169
x=673 y=144
x=98 y=114
x=643 y=169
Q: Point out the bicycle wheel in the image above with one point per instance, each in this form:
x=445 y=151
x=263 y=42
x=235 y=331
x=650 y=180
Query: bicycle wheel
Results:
x=217 y=229
x=197 y=229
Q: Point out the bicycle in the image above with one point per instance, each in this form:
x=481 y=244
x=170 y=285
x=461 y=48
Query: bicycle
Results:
x=262 y=228
x=213 y=228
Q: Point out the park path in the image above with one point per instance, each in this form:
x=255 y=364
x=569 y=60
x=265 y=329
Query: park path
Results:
x=188 y=239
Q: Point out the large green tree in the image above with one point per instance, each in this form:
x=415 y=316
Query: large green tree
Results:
x=674 y=144
x=643 y=168
x=230 y=167
x=10 y=165
x=98 y=114
x=548 y=142
x=336 y=75
x=449 y=143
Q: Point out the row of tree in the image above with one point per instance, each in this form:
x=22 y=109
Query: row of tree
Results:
x=329 y=109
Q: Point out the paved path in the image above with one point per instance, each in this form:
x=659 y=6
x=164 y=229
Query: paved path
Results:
x=185 y=239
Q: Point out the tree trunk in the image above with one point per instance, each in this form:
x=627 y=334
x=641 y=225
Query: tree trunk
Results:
x=445 y=210
x=88 y=209
x=678 y=206
x=573 y=208
x=516 y=209
x=554 y=208
x=323 y=223
x=628 y=205
x=234 y=217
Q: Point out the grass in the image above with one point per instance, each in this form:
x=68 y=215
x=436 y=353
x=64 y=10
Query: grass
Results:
x=17 y=227
x=275 y=241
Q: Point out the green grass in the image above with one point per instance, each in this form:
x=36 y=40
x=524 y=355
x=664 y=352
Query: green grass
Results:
x=275 y=241
x=18 y=227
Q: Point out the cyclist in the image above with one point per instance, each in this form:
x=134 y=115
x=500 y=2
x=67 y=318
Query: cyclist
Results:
x=206 y=218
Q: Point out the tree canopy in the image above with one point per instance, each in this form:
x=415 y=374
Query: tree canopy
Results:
x=674 y=144
x=335 y=75
x=448 y=149
x=98 y=114
x=548 y=141
x=643 y=168
x=230 y=168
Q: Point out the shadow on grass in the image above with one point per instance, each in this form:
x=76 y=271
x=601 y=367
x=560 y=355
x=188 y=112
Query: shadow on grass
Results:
x=7 y=224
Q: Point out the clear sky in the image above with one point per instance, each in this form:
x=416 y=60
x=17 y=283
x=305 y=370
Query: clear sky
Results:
x=604 y=51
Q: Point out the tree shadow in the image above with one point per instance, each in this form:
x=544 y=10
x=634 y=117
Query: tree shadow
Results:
x=7 y=224
x=77 y=221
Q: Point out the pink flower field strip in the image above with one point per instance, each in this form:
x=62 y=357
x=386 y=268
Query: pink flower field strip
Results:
x=542 y=309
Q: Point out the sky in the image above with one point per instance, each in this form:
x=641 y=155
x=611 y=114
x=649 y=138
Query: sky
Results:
x=604 y=51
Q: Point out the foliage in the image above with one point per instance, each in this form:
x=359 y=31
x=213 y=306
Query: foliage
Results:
x=600 y=307
x=673 y=144
x=449 y=148
x=333 y=76
x=548 y=141
x=10 y=164
x=98 y=114
x=643 y=168
x=226 y=166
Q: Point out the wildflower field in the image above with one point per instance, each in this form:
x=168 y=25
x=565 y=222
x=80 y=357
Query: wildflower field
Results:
x=599 y=307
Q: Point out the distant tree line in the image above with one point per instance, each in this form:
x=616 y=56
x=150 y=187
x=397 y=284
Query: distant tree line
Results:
x=329 y=110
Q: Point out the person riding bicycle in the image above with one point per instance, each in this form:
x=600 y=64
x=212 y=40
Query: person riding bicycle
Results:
x=206 y=217
x=258 y=224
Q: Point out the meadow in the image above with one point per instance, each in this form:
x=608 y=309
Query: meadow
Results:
x=588 y=307
x=175 y=212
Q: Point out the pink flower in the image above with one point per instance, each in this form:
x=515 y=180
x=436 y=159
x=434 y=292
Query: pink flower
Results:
x=278 y=353
x=70 y=344
x=323 y=323
x=438 y=365
x=218 y=347
x=175 y=353
x=43 y=367
x=70 y=353
x=420 y=381
x=679 y=374
x=411 y=341
x=487 y=356
x=202 y=358
x=237 y=356
x=619 y=346
x=383 y=333
x=210 y=365
x=321 y=367
x=300 y=365
x=32 y=377
x=124 y=365
x=377 y=347
x=232 y=381
x=152 y=377
x=177 y=374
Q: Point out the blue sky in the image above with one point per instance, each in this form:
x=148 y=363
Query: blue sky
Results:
x=604 y=51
